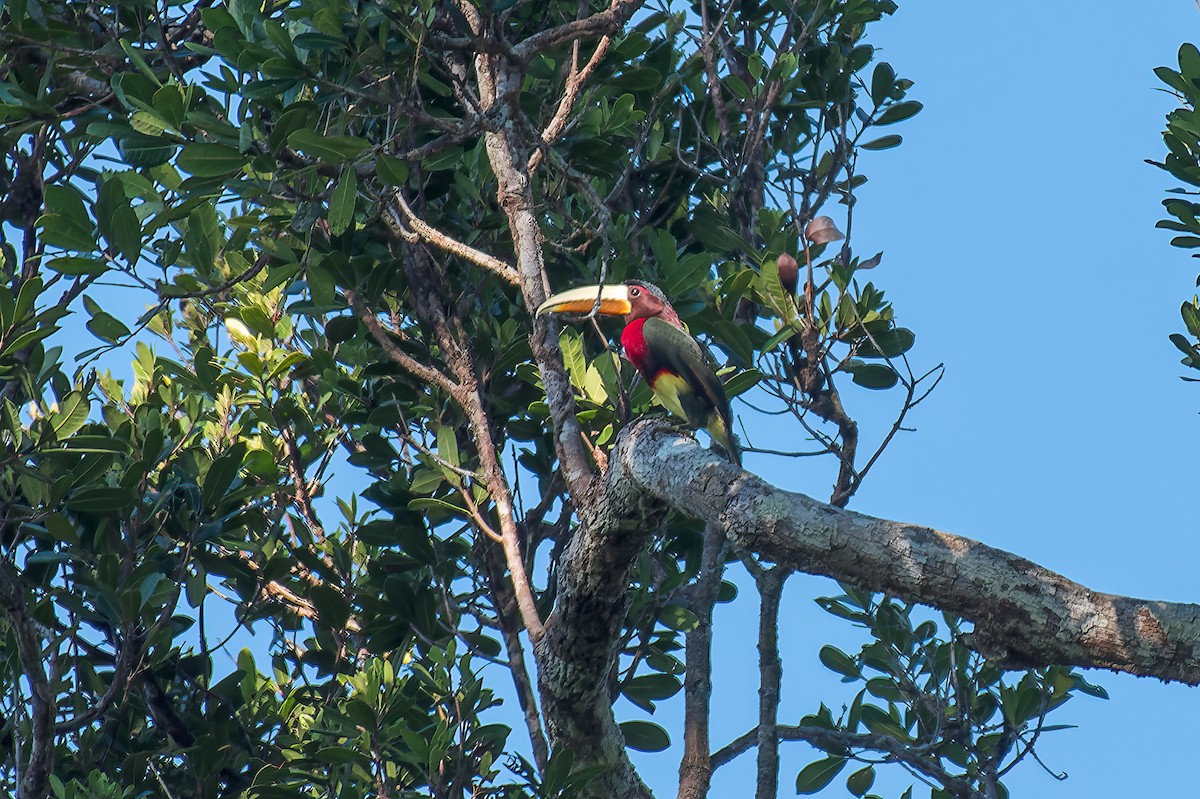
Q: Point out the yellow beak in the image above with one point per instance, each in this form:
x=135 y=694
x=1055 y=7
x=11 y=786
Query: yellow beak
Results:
x=607 y=300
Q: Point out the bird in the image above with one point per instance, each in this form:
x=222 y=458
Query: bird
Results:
x=678 y=370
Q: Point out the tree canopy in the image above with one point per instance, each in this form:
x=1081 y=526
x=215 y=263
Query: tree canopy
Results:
x=320 y=228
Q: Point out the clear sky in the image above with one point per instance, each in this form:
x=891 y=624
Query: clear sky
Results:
x=1017 y=222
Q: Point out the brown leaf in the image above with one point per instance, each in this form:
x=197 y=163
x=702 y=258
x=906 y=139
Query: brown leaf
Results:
x=822 y=230
x=789 y=273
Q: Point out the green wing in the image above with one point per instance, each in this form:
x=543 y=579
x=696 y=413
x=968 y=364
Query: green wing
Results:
x=673 y=349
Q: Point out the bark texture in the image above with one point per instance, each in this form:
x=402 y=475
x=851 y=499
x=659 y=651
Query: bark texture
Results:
x=578 y=649
x=1024 y=615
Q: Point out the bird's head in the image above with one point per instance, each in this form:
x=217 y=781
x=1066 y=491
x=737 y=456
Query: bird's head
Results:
x=633 y=299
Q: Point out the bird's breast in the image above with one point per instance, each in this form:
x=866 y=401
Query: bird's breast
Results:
x=633 y=342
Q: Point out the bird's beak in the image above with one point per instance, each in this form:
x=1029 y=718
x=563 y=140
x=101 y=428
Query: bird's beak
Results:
x=608 y=300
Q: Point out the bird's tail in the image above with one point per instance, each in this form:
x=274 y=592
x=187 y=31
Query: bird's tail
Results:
x=718 y=428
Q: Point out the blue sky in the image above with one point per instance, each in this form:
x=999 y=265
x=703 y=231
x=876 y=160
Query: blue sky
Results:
x=1017 y=222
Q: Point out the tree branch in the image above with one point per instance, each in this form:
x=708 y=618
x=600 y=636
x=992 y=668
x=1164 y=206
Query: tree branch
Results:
x=695 y=771
x=578 y=651
x=427 y=233
x=35 y=771
x=605 y=22
x=411 y=365
x=575 y=80
x=770 y=679
x=823 y=738
x=1024 y=615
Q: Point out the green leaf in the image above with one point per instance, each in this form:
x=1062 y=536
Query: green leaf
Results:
x=61 y=529
x=1091 y=689
x=1184 y=345
x=450 y=158
x=816 y=776
x=77 y=265
x=148 y=123
x=117 y=221
x=898 y=112
x=571 y=343
x=650 y=687
x=107 y=327
x=341 y=204
x=1189 y=61
x=331 y=605
x=71 y=415
x=883 y=80
x=883 y=143
x=873 y=375
x=447 y=449
x=425 y=481
x=781 y=335
x=645 y=736
x=838 y=661
x=101 y=500
x=29 y=338
x=67 y=232
x=169 y=103
x=881 y=723
x=1176 y=82
x=48 y=557
x=557 y=771
x=391 y=171
x=210 y=160
x=772 y=292
x=861 y=781
x=221 y=475
x=342 y=755
x=742 y=382
x=145 y=152
x=286 y=363
x=888 y=344
x=1191 y=318
x=327 y=148
x=136 y=59
x=26 y=298
x=678 y=618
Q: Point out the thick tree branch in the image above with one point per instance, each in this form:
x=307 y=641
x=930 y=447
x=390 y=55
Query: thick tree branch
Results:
x=500 y=84
x=579 y=649
x=1024 y=615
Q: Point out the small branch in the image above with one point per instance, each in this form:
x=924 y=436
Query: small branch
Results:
x=405 y=361
x=822 y=738
x=36 y=769
x=695 y=771
x=246 y=274
x=575 y=82
x=605 y=22
x=506 y=613
x=427 y=233
x=770 y=675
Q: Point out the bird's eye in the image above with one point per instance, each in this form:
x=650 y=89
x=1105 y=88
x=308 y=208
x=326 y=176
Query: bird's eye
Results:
x=635 y=292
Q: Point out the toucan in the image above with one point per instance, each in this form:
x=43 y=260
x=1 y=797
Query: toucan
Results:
x=678 y=370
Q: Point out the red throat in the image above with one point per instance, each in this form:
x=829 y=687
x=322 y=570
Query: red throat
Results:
x=634 y=343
